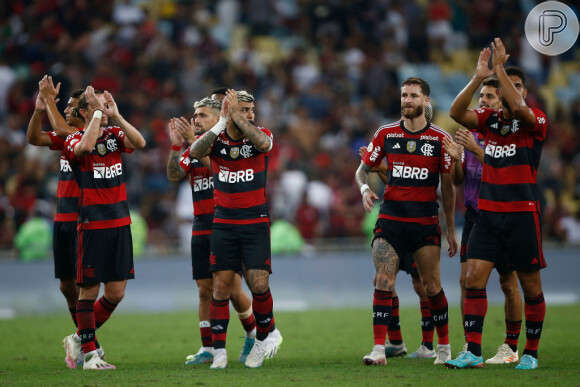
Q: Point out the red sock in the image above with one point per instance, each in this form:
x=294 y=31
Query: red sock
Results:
x=439 y=311
x=103 y=310
x=382 y=307
x=263 y=306
x=512 y=333
x=535 y=311
x=394 y=329
x=219 y=314
x=249 y=323
x=475 y=310
x=86 y=320
x=205 y=330
x=427 y=326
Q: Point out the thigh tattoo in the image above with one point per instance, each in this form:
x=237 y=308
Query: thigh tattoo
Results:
x=385 y=258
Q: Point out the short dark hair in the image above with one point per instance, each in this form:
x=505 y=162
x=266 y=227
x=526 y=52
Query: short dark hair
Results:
x=220 y=90
x=518 y=72
x=77 y=93
x=491 y=81
x=425 y=89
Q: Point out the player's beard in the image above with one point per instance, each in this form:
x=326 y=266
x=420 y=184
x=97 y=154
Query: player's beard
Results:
x=416 y=112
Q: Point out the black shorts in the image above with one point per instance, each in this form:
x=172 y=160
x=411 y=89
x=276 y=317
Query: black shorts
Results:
x=470 y=220
x=64 y=249
x=104 y=255
x=511 y=238
x=200 y=251
x=237 y=246
x=408 y=264
x=406 y=238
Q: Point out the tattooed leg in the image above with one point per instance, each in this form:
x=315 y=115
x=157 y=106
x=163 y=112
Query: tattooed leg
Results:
x=386 y=265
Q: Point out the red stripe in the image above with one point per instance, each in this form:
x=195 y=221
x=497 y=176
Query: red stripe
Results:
x=426 y=220
x=241 y=199
x=67 y=189
x=518 y=206
x=203 y=207
x=517 y=174
x=205 y=232
x=242 y=221
x=66 y=217
x=539 y=238
x=100 y=224
x=111 y=195
x=80 y=256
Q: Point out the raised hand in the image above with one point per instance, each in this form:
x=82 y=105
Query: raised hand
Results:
x=482 y=69
x=499 y=55
x=48 y=92
x=361 y=151
x=465 y=138
x=230 y=103
x=111 y=105
x=39 y=103
x=452 y=148
x=174 y=135
x=184 y=128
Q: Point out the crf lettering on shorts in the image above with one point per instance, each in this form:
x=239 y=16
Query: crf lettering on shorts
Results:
x=407 y=172
x=202 y=184
x=65 y=166
x=500 y=151
x=104 y=172
x=233 y=177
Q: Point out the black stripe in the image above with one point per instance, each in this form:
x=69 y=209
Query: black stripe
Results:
x=104 y=211
x=90 y=182
x=409 y=209
x=202 y=222
x=508 y=192
x=242 y=213
x=432 y=180
x=258 y=182
x=67 y=205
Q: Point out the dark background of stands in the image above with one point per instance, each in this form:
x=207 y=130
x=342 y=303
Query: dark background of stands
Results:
x=326 y=74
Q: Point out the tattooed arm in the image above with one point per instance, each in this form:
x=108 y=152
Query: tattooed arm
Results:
x=261 y=140
x=362 y=177
x=174 y=170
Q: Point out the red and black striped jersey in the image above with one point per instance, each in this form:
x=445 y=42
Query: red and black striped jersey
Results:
x=512 y=157
x=239 y=178
x=101 y=178
x=414 y=161
x=67 y=192
x=201 y=181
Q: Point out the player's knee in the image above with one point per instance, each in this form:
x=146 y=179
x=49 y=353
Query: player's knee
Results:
x=384 y=281
x=69 y=289
x=260 y=286
x=205 y=292
x=116 y=296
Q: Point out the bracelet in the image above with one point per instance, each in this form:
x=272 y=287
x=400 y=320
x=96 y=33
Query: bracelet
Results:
x=176 y=148
x=363 y=188
x=98 y=114
x=220 y=126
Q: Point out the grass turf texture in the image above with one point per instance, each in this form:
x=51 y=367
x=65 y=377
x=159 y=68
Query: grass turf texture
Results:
x=322 y=347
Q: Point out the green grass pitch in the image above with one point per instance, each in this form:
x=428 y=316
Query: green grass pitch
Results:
x=323 y=347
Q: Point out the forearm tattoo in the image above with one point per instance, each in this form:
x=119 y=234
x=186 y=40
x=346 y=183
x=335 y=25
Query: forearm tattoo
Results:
x=202 y=146
x=260 y=139
x=386 y=262
x=174 y=171
x=362 y=174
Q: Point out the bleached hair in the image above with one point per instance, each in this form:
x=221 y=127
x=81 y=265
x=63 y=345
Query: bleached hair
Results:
x=208 y=102
x=244 y=96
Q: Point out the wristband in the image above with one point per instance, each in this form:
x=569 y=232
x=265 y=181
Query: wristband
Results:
x=220 y=126
x=98 y=114
x=176 y=148
x=363 y=188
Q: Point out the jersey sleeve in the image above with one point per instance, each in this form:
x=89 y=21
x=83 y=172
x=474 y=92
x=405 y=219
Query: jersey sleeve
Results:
x=482 y=116
x=69 y=146
x=541 y=124
x=121 y=137
x=57 y=142
x=268 y=133
x=185 y=161
x=446 y=160
x=375 y=151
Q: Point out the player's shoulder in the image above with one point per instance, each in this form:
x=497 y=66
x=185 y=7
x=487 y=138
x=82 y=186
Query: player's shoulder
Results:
x=436 y=132
x=389 y=128
x=538 y=113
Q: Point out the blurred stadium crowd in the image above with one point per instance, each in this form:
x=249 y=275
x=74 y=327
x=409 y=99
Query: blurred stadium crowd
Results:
x=325 y=73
